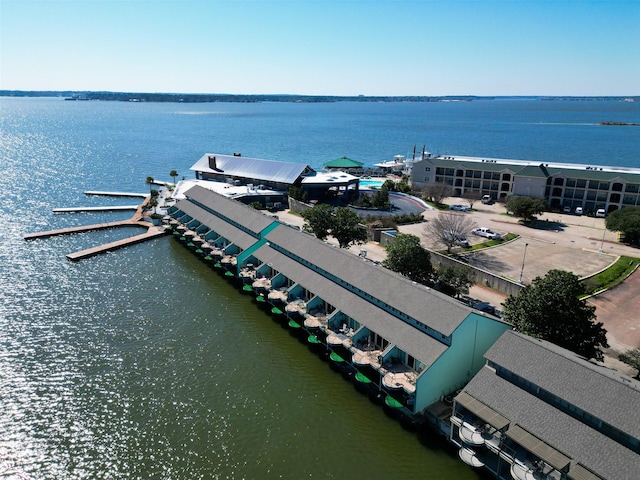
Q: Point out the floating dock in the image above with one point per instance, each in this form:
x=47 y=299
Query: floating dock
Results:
x=137 y=220
x=116 y=194
x=95 y=209
x=84 y=228
x=153 y=232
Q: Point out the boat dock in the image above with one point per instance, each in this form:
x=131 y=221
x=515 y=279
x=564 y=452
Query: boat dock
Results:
x=83 y=228
x=95 y=209
x=137 y=220
x=116 y=194
x=152 y=232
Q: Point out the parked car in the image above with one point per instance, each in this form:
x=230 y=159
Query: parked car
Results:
x=579 y=211
x=460 y=208
x=487 y=199
x=486 y=232
x=459 y=240
x=567 y=209
x=601 y=213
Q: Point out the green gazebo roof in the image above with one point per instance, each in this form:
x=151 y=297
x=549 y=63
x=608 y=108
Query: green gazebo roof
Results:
x=343 y=162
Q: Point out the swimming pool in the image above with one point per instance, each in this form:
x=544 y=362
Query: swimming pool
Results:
x=371 y=182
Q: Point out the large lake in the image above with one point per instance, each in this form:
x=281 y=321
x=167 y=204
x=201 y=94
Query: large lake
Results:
x=144 y=363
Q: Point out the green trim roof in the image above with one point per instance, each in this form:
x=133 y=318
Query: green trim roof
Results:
x=343 y=162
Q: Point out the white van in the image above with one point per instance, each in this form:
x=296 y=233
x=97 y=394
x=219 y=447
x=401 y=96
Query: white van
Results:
x=601 y=213
x=578 y=210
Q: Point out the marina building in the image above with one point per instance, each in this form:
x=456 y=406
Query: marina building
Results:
x=560 y=184
x=267 y=181
x=538 y=411
x=405 y=344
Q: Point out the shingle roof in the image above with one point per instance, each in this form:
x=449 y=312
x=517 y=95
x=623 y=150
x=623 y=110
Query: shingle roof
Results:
x=419 y=345
x=570 y=436
x=434 y=309
x=572 y=378
x=254 y=168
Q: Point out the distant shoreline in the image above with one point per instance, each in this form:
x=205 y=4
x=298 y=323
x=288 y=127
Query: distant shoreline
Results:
x=620 y=124
x=240 y=98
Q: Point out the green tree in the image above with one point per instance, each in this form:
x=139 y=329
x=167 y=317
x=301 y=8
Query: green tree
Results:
x=406 y=256
x=319 y=220
x=626 y=221
x=149 y=181
x=526 y=207
x=632 y=358
x=346 y=228
x=550 y=309
x=173 y=174
x=455 y=280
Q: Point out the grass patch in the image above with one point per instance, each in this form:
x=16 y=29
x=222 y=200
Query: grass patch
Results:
x=492 y=243
x=612 y=275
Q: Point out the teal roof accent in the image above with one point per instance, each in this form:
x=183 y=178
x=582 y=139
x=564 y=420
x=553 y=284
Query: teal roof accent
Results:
x=343 y=162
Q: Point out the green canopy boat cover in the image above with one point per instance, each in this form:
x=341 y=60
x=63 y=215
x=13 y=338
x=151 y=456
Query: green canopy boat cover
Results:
x=313 y=339
x=276 y=311
x=336 y=358
x=362 y=378
x=392 y=402
x=294 y=324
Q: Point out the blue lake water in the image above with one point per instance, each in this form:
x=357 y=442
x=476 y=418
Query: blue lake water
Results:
x=143 y=363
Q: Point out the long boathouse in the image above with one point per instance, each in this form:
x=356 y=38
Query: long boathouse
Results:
x=410 y=344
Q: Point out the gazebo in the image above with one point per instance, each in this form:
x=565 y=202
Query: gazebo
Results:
x=344 y=164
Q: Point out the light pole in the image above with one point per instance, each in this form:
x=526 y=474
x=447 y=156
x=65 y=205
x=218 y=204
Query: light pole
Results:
x=602 y=243
x=523 y=257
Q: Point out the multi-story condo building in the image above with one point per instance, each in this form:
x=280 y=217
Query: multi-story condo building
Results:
x=560 y=184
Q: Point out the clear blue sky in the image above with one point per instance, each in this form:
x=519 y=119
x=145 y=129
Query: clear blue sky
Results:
x=322 y=47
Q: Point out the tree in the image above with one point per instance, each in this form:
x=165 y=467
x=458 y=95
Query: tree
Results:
x=173 y=174
x=550 y=309
x=436 y=192
x=626 y=221
x=149 y=181
x=448 y=228
x=632 y=358
x=346 y=228
x=526 y=207
x=455 y=280
x=406 y=256
x=472 y=197
x=318 y=220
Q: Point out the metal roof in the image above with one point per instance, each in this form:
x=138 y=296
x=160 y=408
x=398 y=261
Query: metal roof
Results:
x=252 y=168
x=343 y=162
x=542 y=450
x=482 y=411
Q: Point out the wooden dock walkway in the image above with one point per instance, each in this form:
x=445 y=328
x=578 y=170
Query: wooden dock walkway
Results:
x=112 y=208
x=83 y=228
x=152 y=232
x=115 y=194
x=137 y=220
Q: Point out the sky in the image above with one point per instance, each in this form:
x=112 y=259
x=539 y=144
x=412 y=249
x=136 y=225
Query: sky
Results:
x=323 y=47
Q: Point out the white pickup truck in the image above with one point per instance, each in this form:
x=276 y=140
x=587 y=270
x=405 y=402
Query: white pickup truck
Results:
x=485 y=232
